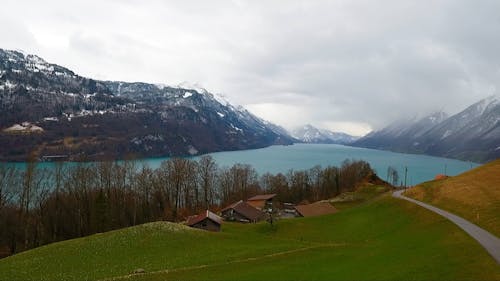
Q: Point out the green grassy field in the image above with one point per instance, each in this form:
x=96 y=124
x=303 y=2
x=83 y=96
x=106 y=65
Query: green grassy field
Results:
x=384 y=238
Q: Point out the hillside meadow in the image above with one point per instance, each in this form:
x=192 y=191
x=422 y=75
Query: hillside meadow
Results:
x=473 y=195
x=382 y=238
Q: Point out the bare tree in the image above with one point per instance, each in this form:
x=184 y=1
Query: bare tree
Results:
x=9 y=176
x=207 y=173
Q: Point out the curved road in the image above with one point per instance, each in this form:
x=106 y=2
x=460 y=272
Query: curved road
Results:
x=489 y=241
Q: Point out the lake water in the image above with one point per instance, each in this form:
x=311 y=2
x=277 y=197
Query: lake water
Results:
x=276 y=159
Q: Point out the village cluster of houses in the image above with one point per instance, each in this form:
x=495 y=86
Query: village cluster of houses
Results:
x=255 y=209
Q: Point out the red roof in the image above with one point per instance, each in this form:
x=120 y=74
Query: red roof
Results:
x=261 y=197
x=205 y=215
x=440 y=177
x=315 y=209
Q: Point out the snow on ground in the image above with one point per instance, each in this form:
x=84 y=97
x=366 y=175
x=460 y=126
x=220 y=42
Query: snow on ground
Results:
x=447 y=133
x=236 y=128
x=159 y=86
x=8 y=85
x=195 y=87
x=192 y=150
x=24 y=127
x=15 y=127
x=187 y=95
x=220 y=99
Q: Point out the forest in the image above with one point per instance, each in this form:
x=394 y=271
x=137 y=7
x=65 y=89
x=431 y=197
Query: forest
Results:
x=40 y=206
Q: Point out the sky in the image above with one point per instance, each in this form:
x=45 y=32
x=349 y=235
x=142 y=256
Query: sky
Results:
x=350 y=66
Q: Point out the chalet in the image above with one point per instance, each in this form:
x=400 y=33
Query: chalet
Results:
x=261 y=202
x=206 y=220
x=242 y=212
x=315 y=209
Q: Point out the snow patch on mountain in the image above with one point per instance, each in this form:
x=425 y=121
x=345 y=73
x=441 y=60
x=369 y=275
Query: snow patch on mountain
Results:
x=472 y=134
x=311 y=134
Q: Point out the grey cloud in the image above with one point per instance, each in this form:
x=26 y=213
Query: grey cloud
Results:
x=364 y=63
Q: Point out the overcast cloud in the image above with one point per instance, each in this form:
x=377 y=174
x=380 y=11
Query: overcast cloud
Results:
x=347 y=66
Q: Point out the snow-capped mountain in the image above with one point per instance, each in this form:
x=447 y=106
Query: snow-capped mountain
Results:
x=472 y=134
x=82 y=117
x=402 y=133
x=311 y=134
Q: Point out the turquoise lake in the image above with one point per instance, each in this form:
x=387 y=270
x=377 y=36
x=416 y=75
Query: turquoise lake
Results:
x=275 y=159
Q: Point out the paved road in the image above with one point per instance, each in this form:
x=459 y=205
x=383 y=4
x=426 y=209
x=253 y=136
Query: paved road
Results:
x=489 y=241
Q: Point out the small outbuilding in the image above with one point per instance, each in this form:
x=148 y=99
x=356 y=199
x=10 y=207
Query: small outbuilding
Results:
x=315 y=209
x=206 y=221
x=440 y=177
x=261 y=202
x=242 y=212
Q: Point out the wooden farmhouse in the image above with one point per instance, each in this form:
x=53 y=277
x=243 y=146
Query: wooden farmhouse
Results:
x=242 y=212
x=261 y=202
x=206 y=220
x=315 y=209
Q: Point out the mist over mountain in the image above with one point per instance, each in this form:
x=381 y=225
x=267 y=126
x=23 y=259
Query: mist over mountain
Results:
x=48 y=110
x=311 y=134
x=472 y=134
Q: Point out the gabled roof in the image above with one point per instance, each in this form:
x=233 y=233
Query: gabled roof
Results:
x=315 y=209
x=206 y=214
x=231 y=206
x=245 y=210
x=261 y=197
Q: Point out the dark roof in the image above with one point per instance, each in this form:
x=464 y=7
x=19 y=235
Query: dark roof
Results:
x=315 y=209
x=245 y=210
x=206 y=214
x=231 y=206
x=261 y=197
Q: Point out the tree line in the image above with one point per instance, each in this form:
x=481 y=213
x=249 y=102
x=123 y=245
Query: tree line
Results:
x=41 y=206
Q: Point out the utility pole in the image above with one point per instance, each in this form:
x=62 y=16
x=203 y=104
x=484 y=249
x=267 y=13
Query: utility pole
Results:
x=406 y=174
x=445 y=168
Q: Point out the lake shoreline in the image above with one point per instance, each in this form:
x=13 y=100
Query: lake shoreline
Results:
x=299 y=156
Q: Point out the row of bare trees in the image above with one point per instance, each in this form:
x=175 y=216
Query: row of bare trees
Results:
x=40 y=206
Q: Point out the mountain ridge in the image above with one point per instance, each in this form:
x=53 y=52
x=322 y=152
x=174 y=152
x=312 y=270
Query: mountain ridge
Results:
x=310 y=134
x=83 y=118
x=473 y=134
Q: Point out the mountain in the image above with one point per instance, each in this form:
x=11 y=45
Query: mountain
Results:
x=49 y=110
x=311 y=134
x=472 y=134
x=401 y=135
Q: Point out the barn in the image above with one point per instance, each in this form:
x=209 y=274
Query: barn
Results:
x=206 y=221
x=261 y=202
x=315 y=209
x=242 y=212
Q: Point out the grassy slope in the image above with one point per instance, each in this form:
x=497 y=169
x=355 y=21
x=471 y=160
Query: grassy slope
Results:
x=154 y=246
x=385 y=240
x=382 y=239
x=473 y=195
